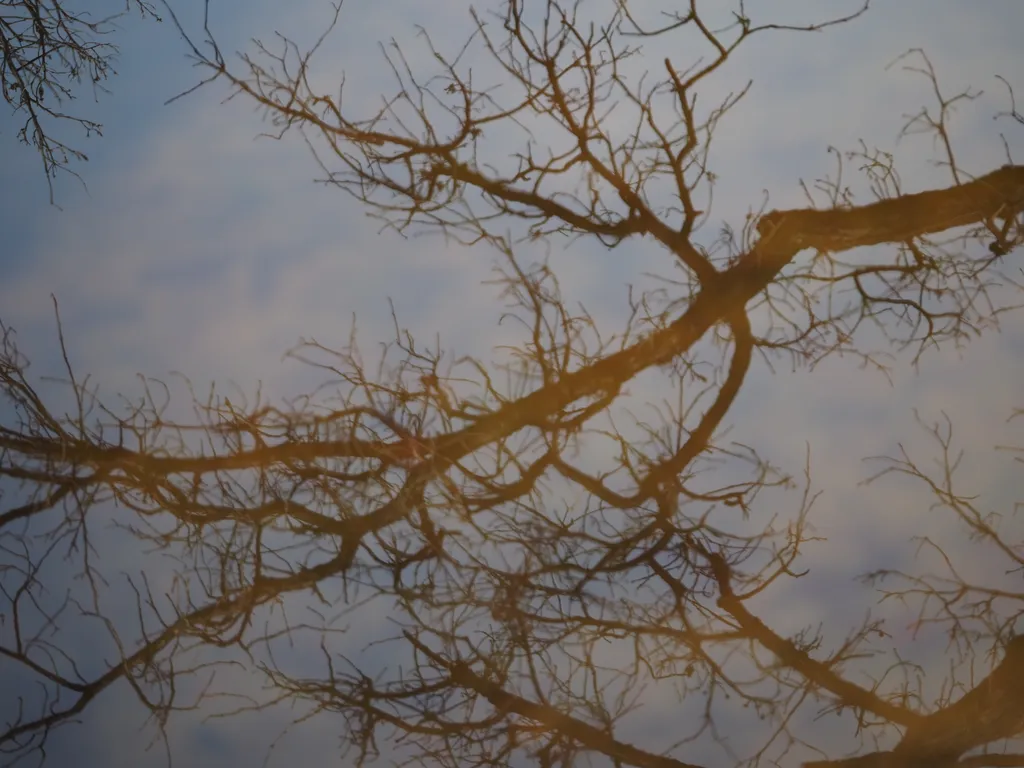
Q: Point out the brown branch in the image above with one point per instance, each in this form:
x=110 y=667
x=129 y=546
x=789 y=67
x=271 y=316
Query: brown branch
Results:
x=586 y=734
x=815 y=671
x=992 y=710
x=997 y=194
x=224 y=611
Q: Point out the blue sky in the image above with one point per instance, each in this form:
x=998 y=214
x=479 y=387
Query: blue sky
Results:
x=202 y=249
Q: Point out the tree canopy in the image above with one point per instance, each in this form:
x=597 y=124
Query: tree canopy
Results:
x=555 y=561
x=47 y=50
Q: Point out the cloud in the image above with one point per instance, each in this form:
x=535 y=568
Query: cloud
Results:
x=203 y=251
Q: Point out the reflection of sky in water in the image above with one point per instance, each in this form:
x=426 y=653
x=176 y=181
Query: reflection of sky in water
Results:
x=201 y=250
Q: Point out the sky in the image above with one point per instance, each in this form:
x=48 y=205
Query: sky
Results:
x=200 y=248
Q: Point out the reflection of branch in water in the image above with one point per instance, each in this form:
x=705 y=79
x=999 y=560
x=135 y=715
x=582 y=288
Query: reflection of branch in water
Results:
x=991 y=711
